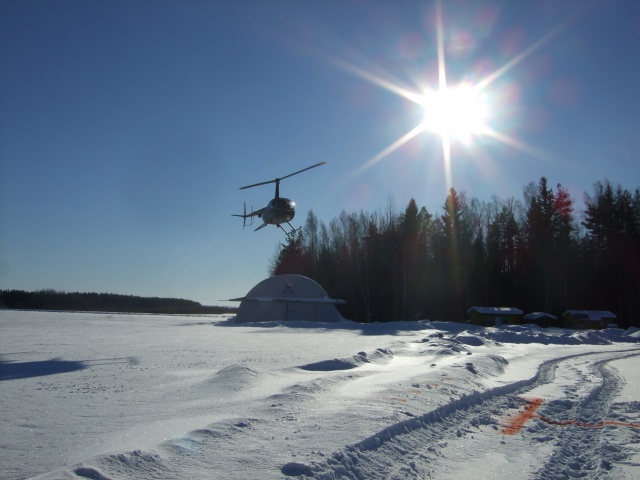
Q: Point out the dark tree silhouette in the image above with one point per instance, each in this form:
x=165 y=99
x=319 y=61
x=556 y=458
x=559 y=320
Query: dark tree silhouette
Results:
x=102 y=302
x=533 y=254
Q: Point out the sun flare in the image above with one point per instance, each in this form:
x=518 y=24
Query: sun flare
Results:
x=456 y=113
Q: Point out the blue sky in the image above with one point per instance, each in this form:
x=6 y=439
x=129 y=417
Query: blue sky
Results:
x=127 y=128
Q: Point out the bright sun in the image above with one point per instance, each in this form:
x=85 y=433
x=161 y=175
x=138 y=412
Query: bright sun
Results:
x=455 y=112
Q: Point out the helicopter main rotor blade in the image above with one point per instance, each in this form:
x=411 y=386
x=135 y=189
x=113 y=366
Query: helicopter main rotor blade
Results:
x=303 y=170
x=277 y=180
x=261 y=183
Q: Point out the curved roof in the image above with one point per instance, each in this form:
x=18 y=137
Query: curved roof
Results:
x=289 y=288
x=539 y=315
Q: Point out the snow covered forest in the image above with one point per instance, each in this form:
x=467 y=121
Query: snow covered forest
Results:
x=541 y=253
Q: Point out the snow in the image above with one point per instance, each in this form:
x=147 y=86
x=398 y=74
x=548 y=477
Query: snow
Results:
x=114 y=396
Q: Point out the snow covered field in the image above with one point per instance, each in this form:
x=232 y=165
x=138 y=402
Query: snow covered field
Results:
x=111 y=396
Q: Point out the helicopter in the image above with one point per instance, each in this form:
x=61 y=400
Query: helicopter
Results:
x=279 y=210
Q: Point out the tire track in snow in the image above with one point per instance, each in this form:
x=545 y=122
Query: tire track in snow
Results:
x=583 y=451
x=414 y=448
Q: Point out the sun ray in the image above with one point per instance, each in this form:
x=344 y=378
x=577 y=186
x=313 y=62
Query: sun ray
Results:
x=446 y=155
x=442 y=83
x=519 y=58
x=522 y=56
x=442 y=68
x=520 y=145
x=376 y=80
x=391 y=148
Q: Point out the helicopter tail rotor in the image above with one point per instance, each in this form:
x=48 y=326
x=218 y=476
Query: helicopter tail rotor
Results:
x=244 y=215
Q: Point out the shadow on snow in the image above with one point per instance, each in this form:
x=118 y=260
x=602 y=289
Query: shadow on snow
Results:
x=17 y=370
x=376 y=328
x=10 y=370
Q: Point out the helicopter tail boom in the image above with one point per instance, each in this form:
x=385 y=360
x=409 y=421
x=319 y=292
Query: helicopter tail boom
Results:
x=246 y=215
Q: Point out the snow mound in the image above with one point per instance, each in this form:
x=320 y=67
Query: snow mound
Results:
x=233 y=377
x=528 y=334
x=335 y=364
x=295 y=469
x=90 y=472
x=379 y=355
x=470 y=339
x=633 y=332
x=123 y=465
x=447 y=350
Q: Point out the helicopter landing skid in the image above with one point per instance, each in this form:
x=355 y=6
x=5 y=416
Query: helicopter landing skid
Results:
x=293 y=229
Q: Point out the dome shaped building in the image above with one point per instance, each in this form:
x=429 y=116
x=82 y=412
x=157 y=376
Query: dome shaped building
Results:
x=287 y=298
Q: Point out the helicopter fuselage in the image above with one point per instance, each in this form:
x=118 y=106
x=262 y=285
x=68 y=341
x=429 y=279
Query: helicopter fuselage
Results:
x=278 y=210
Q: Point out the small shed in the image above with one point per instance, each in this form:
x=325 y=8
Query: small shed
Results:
x=494 y=316
x=592 y=319
x=286 y=298
x=542 y=319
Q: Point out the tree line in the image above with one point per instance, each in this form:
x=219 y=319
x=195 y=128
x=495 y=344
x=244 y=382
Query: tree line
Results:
x=49 y=299
x=535 y=254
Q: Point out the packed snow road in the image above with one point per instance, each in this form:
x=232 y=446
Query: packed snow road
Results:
x=105 y=396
